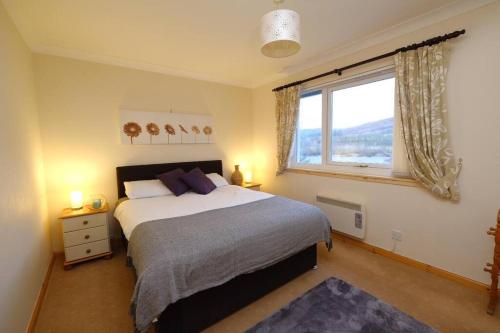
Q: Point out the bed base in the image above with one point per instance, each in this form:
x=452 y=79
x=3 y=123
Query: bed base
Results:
x=199 y=311
x=205 y=308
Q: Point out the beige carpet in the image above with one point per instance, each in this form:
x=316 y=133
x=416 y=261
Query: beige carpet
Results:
x=94 y=296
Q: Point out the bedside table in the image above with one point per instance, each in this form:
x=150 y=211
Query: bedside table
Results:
x=252 y=186
x=86 y=235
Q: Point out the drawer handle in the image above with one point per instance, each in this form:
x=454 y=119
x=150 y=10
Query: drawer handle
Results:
x=87 y=236
x=88 y=251
x=85 y=222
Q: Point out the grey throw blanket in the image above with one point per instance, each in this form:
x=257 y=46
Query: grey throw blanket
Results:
x=177 y=257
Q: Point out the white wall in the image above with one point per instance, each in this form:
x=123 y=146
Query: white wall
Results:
x=79 y=105
x=24 y=236
x=446 y=235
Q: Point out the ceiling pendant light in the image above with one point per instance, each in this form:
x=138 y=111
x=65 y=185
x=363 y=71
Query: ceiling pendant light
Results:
x=280 y=32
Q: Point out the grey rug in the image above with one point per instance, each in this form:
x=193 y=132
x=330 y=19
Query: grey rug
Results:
x=335 y=306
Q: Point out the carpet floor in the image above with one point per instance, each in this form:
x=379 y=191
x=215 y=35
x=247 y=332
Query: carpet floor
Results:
x=95 y=296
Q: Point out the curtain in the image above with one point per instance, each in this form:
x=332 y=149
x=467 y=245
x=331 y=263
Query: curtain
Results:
x=399 y=160
x=287 y=109
x=421 y=100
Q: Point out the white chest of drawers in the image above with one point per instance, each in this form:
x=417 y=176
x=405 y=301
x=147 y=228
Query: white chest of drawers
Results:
x=85 y=234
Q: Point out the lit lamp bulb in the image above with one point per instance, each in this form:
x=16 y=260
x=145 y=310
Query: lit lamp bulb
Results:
x=76 y=198
x=248 y=176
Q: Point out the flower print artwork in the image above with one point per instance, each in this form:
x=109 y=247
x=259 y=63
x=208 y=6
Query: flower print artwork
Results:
x=196 y=131
x=208 y=131
x=183 y=130
x=133 y=130
x=153 y=130
x=157 y=128
x=170 y=131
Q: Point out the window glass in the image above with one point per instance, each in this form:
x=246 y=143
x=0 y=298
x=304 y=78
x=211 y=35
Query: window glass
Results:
x=362 y=124
x=309 y=129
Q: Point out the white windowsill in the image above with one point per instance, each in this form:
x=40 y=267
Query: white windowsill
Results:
x=356 y=176
x=372 y=170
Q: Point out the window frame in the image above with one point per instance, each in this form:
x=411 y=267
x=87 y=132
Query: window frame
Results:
x=295 y=145
x=326 y=162
x=292 y=161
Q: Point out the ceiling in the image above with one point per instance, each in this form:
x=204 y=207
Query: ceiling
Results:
x=215 y=40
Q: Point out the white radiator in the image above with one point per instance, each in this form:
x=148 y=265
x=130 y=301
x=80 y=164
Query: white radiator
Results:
x=346 y=216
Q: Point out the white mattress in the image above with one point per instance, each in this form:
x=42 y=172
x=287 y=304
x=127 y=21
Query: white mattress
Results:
x=131 y=213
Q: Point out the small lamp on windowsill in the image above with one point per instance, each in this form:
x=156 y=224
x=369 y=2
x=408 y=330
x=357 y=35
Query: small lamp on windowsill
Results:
x=76 y=198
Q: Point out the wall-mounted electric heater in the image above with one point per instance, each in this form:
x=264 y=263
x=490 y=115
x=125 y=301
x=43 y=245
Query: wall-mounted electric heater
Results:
x=346 y=216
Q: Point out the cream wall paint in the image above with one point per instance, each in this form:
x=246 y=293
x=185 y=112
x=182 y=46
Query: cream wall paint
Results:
x=446 y=235
x=24 y=230
x=79 y=105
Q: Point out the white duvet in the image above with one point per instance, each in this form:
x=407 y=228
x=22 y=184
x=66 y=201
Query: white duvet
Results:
x=131 y=213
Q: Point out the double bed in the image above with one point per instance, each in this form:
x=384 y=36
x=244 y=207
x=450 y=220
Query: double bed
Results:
x=199 y=258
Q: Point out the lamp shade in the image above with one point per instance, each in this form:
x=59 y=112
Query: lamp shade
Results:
x=248 y=176
x=76 y=198
x=280 y=33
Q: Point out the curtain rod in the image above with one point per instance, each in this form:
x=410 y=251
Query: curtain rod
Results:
x=338 y=71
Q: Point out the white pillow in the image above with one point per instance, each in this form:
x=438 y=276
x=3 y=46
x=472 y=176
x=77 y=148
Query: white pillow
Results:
x=217 y=179
x=146 y=189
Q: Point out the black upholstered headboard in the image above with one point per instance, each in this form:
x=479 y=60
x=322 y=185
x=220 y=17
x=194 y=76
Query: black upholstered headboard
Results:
x=149 y=171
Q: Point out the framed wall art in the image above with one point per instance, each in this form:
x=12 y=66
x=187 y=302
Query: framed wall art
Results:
x=163 y=128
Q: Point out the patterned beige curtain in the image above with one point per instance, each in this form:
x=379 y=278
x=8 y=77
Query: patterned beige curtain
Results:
x=421 y=100
x=287 y=109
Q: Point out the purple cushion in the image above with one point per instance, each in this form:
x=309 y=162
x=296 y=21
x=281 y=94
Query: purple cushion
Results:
x=198 y=182
x=172 y=180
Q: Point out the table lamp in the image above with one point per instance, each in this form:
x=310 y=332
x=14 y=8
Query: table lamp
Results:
x=76 y=198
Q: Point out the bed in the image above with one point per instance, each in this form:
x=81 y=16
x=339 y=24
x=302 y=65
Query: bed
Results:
x=188 y=311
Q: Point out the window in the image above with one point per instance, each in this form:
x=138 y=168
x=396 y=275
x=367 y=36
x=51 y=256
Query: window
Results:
x=309 y=130
x=362 y=121
x=357 y=117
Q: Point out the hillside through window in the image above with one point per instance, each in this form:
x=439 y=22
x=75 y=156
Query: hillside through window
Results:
x=309 y=138
x=350 y=123
x=362 y=122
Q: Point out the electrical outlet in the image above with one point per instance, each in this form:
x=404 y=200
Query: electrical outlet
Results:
x=397 y=235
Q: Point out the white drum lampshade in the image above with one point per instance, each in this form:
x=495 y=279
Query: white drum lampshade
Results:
x=76 y=198
x=280 y=33
x=248 y=176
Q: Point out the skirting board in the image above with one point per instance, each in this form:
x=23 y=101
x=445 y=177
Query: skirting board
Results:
x=41 y=296
x=411 y=262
